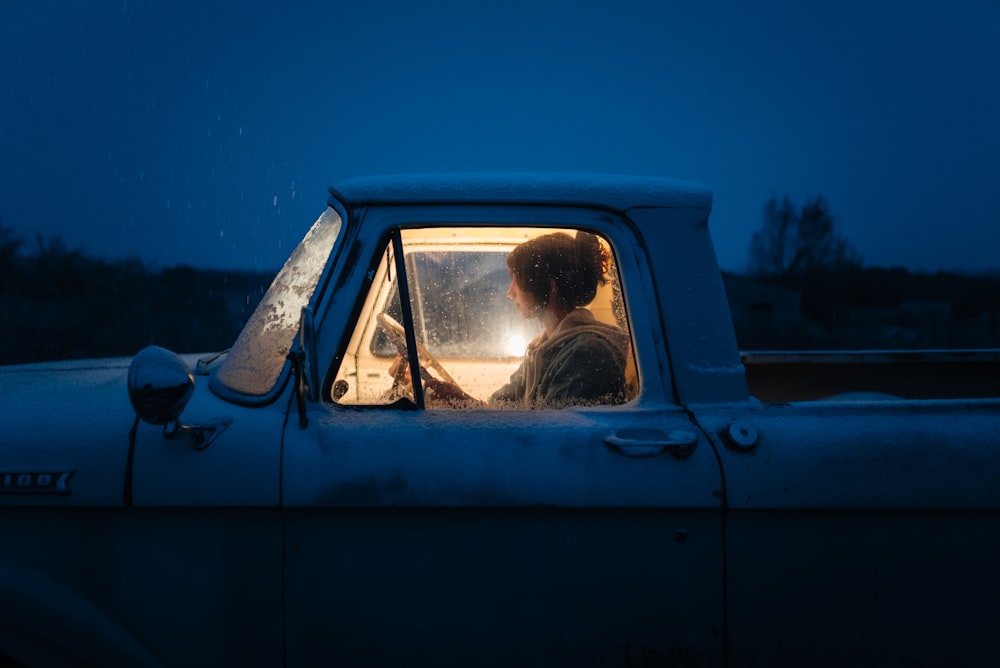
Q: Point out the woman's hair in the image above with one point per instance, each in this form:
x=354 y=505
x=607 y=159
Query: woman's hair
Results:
x=575 y=265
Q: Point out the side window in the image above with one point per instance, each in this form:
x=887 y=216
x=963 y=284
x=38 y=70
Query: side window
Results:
x=480 y=329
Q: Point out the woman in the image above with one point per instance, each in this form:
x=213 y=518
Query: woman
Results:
x=576 y=359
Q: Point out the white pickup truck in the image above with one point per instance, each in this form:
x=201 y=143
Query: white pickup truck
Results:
x=300 y=501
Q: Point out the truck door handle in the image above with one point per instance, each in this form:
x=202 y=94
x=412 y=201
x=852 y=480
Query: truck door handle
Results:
x=651 y=444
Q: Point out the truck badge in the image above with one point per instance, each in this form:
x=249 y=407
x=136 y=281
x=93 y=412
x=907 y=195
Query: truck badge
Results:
x=35 y=482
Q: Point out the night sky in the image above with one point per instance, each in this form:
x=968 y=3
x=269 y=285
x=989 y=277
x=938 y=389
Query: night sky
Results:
x=185 y=133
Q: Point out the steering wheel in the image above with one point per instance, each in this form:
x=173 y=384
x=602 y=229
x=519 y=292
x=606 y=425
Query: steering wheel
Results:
x=397 y=336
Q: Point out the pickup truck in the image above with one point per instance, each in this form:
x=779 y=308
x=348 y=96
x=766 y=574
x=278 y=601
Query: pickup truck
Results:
x=298 y=500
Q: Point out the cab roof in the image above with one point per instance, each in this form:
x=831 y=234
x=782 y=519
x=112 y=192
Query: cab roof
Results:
x=609 y=191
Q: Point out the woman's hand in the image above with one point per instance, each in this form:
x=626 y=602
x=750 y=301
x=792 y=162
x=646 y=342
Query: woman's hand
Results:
x=439 y=391
x=442 y=390
x=447 y=393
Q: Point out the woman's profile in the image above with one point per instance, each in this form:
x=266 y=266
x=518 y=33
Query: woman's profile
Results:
x=577 y=359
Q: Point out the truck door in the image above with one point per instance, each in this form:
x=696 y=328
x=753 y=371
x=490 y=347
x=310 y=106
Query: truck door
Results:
x=429 y=535
x=861 y=532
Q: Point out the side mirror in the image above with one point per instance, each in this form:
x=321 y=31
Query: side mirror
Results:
x=160 y=385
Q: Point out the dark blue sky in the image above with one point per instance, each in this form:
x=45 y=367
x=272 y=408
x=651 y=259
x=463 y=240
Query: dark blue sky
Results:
x=183 y=133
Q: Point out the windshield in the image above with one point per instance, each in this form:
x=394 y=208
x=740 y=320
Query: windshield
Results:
x=256 y=359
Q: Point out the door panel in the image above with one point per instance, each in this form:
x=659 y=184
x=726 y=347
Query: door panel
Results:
x=488 y=536
x=499 y=538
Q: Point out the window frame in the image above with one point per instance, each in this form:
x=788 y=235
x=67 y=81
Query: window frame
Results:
x=618 y=233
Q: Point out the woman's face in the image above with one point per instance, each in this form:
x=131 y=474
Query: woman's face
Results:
x=525 y=302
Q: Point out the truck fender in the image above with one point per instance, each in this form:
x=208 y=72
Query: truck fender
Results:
x=43 y=623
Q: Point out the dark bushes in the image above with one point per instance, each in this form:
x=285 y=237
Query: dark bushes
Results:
x=59 y=304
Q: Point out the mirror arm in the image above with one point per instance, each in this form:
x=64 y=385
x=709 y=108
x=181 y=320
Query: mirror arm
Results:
x=201 y=435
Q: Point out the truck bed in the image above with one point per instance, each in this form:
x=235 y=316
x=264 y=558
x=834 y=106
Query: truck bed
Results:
x=788 y=376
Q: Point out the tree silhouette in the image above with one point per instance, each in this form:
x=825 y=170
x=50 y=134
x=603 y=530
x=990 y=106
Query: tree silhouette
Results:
x=58 y=271
x=10 y=256
x=67 y=305
x=793 y=243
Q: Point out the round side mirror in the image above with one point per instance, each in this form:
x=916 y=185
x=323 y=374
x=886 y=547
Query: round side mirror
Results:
x=159 y=385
